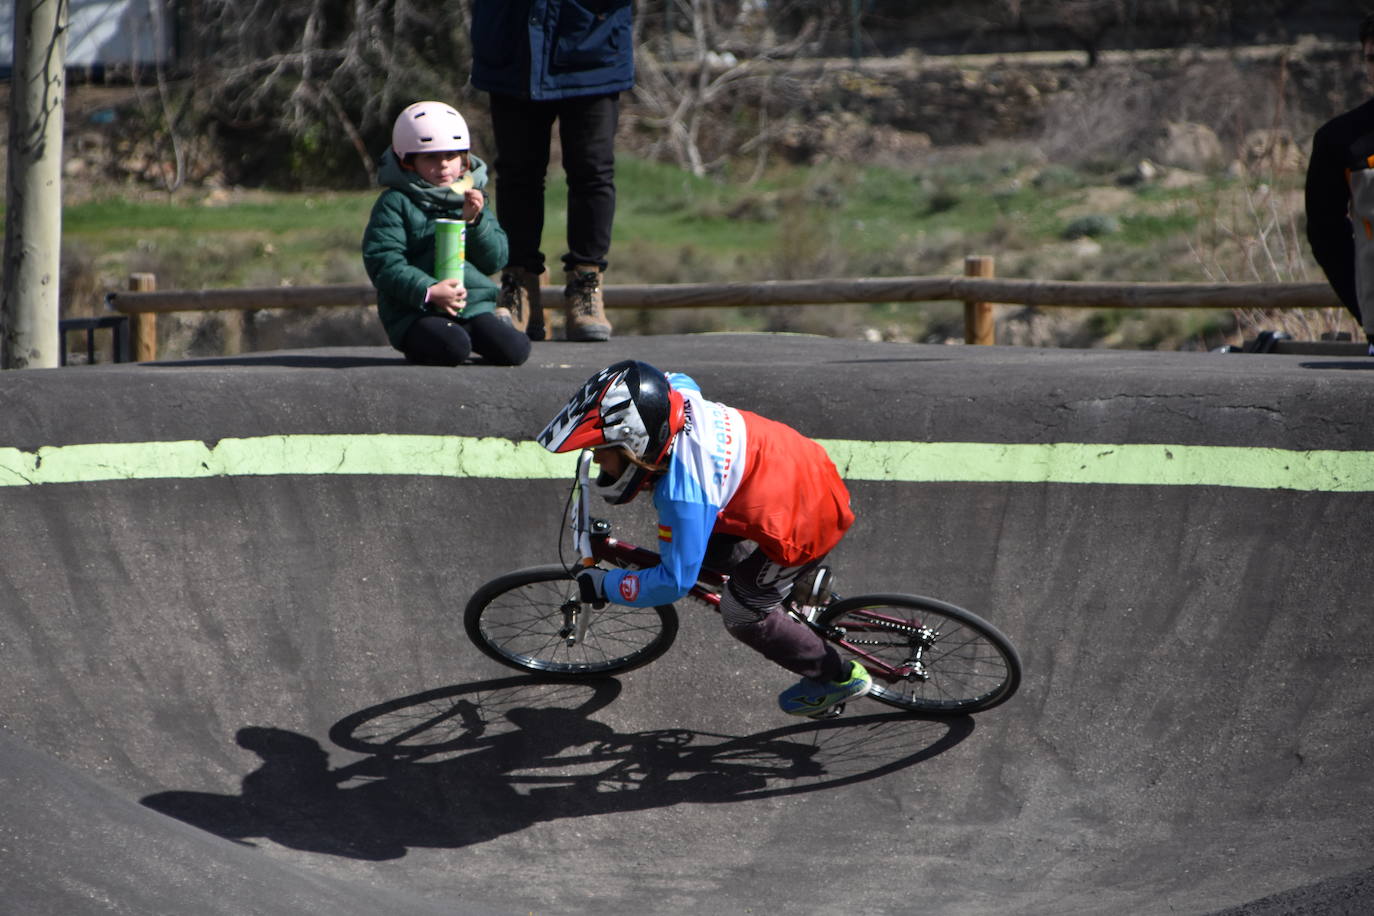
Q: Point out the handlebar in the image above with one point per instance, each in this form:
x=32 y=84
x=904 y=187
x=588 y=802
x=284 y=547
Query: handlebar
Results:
x=584 y=531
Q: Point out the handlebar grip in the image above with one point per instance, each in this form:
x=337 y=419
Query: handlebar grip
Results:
x=586 y=588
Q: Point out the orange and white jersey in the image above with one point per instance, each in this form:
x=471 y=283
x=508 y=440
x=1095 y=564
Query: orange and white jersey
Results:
x=735 y=472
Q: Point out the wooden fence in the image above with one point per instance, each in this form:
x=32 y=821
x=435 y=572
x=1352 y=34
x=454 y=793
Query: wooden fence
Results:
x=978 y=289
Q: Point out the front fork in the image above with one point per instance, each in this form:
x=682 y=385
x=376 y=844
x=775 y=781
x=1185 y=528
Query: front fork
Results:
x=575 y=620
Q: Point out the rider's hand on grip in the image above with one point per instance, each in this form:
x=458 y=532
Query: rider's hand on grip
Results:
x=589 y=586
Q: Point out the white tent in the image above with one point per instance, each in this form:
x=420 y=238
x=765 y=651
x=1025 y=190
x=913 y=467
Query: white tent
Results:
x=106 y=33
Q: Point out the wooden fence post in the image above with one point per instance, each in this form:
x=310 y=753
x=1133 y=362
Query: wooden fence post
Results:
x=143 y=324
x=978 y=324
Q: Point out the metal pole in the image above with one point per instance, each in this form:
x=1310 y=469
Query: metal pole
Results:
x=29 y=336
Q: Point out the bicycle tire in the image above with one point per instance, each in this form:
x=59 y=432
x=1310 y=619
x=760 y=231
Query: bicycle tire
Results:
x=515 y=619
x=967 y=664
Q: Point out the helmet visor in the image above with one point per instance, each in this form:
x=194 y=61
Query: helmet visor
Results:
x=602 y=412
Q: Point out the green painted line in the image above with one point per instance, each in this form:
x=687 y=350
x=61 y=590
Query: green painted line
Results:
x=504 y=459
x=1124 y=465
x=440 y=456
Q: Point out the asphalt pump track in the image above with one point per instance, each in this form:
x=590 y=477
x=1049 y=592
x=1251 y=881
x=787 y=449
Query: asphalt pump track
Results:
x=236 y=681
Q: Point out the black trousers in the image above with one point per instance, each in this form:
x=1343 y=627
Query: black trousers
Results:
x=437 y=340
x=586 y=130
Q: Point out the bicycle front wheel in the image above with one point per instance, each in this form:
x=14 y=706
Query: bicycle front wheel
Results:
x=925 y=655
x=532 y=619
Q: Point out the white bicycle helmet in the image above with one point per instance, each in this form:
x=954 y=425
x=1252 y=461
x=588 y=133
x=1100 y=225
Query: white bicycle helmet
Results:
x=429 y=127
x=629 y=404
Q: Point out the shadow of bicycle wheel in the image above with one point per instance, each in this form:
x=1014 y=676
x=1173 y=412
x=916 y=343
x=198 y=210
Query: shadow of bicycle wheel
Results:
x=459 y=717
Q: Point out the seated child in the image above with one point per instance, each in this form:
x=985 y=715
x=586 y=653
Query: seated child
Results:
x=429 y=174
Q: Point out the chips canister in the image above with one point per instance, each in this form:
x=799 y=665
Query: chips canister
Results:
x=450 y=237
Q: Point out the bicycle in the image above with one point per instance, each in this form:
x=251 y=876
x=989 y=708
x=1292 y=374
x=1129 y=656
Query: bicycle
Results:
x=924 y=655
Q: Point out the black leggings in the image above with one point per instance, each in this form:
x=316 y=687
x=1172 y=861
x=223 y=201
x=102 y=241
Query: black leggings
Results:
x=437 y=340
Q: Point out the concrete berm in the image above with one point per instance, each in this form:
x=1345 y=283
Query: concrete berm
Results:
x=236 y=680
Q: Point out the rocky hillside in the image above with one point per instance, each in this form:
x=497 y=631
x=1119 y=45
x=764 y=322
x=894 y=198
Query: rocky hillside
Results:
x=884 y=109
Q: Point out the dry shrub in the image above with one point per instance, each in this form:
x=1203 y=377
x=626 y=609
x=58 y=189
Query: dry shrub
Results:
x=81 y=289
x=1103 y=118
x=1254 y=235
x=1120 y=114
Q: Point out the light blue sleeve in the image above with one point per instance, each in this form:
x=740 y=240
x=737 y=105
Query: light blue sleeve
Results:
x=680 y=381
x=687 y=519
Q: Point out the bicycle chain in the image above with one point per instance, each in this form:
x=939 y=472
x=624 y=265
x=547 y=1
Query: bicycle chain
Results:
x=905 y=628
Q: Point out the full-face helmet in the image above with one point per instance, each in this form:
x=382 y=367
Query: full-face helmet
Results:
x=429 y=127
x=628 y=405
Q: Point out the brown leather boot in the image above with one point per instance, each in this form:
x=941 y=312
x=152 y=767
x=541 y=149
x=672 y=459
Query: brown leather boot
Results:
x=582 y=304
x=520 y=297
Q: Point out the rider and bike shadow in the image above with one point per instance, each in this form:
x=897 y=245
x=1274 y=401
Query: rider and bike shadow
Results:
x=460 y=765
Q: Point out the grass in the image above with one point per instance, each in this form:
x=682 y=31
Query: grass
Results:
x=114 y=216
x=832 y=220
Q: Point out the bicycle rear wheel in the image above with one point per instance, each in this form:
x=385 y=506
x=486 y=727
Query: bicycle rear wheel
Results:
x=530 y=619
x=925 y=655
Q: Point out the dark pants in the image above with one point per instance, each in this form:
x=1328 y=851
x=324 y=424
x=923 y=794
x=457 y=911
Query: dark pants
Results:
x=437 y=340
x=586 y=129
x=751 y=609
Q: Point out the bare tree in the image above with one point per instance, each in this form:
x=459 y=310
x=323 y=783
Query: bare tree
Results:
x=314 y=70
x=310 y=87
x=710 y=74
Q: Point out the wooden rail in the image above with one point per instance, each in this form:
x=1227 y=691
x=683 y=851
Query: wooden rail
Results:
x=978 y=289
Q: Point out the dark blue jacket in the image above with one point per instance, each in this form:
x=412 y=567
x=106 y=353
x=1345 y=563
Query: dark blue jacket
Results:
x=552 y=49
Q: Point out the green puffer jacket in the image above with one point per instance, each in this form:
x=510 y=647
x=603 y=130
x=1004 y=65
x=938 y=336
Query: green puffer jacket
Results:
x=398 y=245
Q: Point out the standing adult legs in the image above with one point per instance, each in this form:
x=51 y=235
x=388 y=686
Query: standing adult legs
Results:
x=586 y=129
x=522 y=129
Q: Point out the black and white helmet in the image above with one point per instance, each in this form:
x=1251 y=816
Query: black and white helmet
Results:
x=630 y=405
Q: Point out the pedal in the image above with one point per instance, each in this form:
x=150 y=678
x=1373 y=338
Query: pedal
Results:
x=832 y=713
